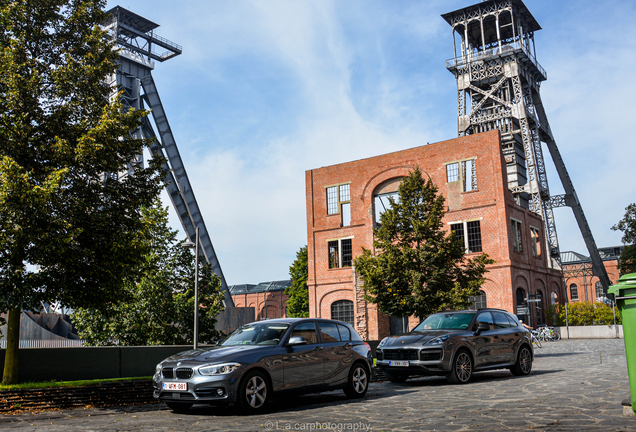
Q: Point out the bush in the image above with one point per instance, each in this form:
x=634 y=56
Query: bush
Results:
x=582 y=314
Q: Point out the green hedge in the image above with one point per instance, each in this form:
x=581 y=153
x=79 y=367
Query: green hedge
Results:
x=582 y=314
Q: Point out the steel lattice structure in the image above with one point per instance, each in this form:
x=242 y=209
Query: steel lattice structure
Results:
x=498 y=83
x=138 y=44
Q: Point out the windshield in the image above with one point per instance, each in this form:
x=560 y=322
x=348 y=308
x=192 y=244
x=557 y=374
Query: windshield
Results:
x=256 y=334
x=446 y=321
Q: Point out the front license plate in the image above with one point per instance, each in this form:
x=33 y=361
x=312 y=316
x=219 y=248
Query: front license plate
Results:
x=398 y=363
x=175 y=386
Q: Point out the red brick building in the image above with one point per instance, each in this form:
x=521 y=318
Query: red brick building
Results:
x=267 y=298
x=581 y=284
x=344 y=202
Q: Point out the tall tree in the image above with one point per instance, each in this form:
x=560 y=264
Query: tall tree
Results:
x=627 y=225
x=70 y=230
x=160 y=306
x=298 y=292
x=418 y=267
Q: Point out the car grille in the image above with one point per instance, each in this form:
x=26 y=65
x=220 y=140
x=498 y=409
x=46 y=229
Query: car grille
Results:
x=181 y=373
x=184 y=373
x=430 y=355
x=402 y=354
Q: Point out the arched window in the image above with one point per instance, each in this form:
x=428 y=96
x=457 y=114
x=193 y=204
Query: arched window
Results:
x=599 y=290
x=478 y=301
x=342 y=310
x=574 y=292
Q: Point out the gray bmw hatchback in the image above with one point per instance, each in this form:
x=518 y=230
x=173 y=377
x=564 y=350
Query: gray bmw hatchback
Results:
x=456 y=344
x=267 y=358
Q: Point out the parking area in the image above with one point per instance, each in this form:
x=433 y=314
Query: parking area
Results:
x=575 y=385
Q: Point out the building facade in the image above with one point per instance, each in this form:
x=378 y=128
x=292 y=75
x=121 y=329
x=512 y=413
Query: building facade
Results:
x=581 y=284
x=344 y=203
x=267 y=298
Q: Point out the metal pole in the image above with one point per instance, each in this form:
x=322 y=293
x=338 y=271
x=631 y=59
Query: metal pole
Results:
x=567 y=322
x=614 y=312
x=196 y=290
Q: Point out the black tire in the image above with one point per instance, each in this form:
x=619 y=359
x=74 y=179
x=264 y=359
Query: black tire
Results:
x=557 y=336
x=253 y=392
x=395 y=378
x=537 y=342
x=462 y=368
x=523 y=366
x=179 y=407
x=358 y=382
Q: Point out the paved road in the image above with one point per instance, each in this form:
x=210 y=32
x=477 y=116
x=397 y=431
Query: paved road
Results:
x=575 y=385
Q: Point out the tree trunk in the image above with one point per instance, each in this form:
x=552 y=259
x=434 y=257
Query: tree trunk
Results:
x=11 y=353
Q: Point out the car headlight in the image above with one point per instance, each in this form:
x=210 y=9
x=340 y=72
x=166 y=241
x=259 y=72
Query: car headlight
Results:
x=438 y=340
x=383 y=341
x=219 y=369
x=158 y=370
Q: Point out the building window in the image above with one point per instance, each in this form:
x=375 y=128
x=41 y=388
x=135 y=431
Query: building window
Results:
x=469 y=233
x=339 y=201
x=342 y=310
x=516 y=236
x=340 y=253
x=381 y=203
x=452 y=172
x=574 y=292
x=478 y=301
x=467 y=175
x=536 y=243
x=599 y=290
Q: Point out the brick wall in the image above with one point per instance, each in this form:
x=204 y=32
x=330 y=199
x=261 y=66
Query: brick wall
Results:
x=269 y=304
x=491 y=203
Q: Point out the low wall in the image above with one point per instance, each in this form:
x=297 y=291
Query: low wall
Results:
x=590 y=332
x=82 y=363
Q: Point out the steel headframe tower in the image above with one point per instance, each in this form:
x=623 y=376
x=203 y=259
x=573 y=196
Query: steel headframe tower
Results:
x=137 y=43
x=498 y=82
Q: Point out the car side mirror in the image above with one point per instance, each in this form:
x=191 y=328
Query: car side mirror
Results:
x=482 y=328
x=296 y=340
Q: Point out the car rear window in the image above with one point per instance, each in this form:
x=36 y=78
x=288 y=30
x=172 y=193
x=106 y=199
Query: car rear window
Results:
x=446 y=321
x=329 y=332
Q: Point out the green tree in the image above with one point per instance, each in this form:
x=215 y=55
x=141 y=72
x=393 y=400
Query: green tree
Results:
x=627 y=261
x=160 y=305
x=298 y=302
x=628 y=225
x=418 y=268
x=68 y=231
x=582 y=314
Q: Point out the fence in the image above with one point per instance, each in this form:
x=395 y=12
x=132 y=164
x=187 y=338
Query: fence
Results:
x=38 y=343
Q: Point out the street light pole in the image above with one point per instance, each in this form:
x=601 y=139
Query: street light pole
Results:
x=195 y=245
x=196 y=290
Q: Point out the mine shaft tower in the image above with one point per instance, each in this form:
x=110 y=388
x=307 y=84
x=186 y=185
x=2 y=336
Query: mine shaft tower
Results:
x=498 y=82
x=139 y=49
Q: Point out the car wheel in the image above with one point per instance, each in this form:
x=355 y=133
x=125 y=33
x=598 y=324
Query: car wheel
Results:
x=179 y=407
x=524 y=362
x=358 y=383
x=396 y=378
x=462 y=368
x=253 y=391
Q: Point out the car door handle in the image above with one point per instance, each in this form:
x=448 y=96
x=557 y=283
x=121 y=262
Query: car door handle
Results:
x=318 y=348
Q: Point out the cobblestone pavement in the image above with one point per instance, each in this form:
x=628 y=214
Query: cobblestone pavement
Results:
x=575 y=385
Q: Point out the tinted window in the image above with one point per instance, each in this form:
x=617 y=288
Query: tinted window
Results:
x=307 y=331
x=513 y=319
x=345 y=333
x=448 y=321
x=500 y=320
x=329 y=332
x=485 y=318
x=261 y=334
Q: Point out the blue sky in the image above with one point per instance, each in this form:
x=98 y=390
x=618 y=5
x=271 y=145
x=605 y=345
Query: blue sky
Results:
x=267 y=89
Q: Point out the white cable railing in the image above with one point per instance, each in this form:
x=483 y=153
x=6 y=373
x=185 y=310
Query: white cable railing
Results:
x=39 y=343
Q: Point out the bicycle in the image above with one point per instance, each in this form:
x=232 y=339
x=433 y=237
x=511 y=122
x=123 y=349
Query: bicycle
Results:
x=548 y=334
x=536 y=338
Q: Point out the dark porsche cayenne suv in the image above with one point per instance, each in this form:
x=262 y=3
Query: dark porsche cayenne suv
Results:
x=264 y=359
x=456 y=344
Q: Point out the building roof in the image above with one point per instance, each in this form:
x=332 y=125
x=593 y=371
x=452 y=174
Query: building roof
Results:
x=607 y=254
x=261 y=287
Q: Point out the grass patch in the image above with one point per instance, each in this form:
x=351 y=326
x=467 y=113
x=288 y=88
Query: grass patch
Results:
x=50 y=384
